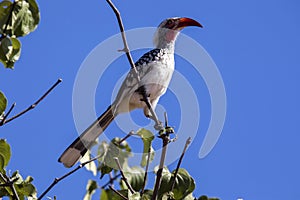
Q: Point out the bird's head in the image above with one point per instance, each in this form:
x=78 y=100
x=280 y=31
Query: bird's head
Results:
x=168 y=30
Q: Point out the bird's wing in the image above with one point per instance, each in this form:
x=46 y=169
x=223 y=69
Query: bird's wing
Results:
x=143 y=66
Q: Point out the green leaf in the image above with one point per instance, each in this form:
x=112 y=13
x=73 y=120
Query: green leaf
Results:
x=203 y=197
x=28 y=179
x=2 y=163
x=26 y=189
x=5 y=7
x=23 y=187
x=91 y=188
x=134 y=196
x=5 y=48
x=10 y=50
x=4 y=191
x=3 y=104
x=105 y=169
x=111 y=195
x=24 y=19
x=168 y=196
x=115 y=150
x=16 y=51
x=5 y=152
x=184 y=184
x=147 y=195
x=189 y=197
x=135 y=177
x=147 y=137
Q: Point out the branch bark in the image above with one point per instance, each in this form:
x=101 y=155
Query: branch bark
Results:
x=123 y=175
x=126 y=137
x=4 y=121
x=146 y=172
x=110 y=182
x=56 y=180
x=118 y=193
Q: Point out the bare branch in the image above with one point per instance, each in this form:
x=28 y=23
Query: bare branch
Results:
x=187 y=143
x=126 y=49
x=118 y=193
x=34 y=104
x=123 y=175
x=146 y=171
x=110 y=182
x=126 y=137
x=56 y=180
x=7 y=114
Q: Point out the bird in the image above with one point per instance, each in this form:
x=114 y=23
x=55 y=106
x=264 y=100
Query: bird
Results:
x=155 y=69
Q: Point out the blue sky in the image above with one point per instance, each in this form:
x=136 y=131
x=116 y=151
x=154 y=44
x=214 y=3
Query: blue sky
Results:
x=255 y=45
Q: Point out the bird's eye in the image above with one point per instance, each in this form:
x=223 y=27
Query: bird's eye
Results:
x=170 y=23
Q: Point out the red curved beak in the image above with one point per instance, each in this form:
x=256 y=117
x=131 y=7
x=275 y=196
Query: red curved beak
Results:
x=184 y=21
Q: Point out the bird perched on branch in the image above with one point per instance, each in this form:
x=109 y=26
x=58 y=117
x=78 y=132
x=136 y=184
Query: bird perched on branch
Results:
x=155 y=69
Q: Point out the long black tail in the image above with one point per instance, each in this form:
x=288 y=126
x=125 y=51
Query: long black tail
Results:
x=80 y=146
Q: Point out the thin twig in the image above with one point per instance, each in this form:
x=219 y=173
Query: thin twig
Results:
x=126 y=137
x=110 y=181
x=126 y=49
x=122 y=30
x=187 y=143
x=146 y=171
x=118 y=193
x=34 y=104
x=166 y=119
x=123 y=175
x=11 y=185
x=56 y=180
x=7 y=114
